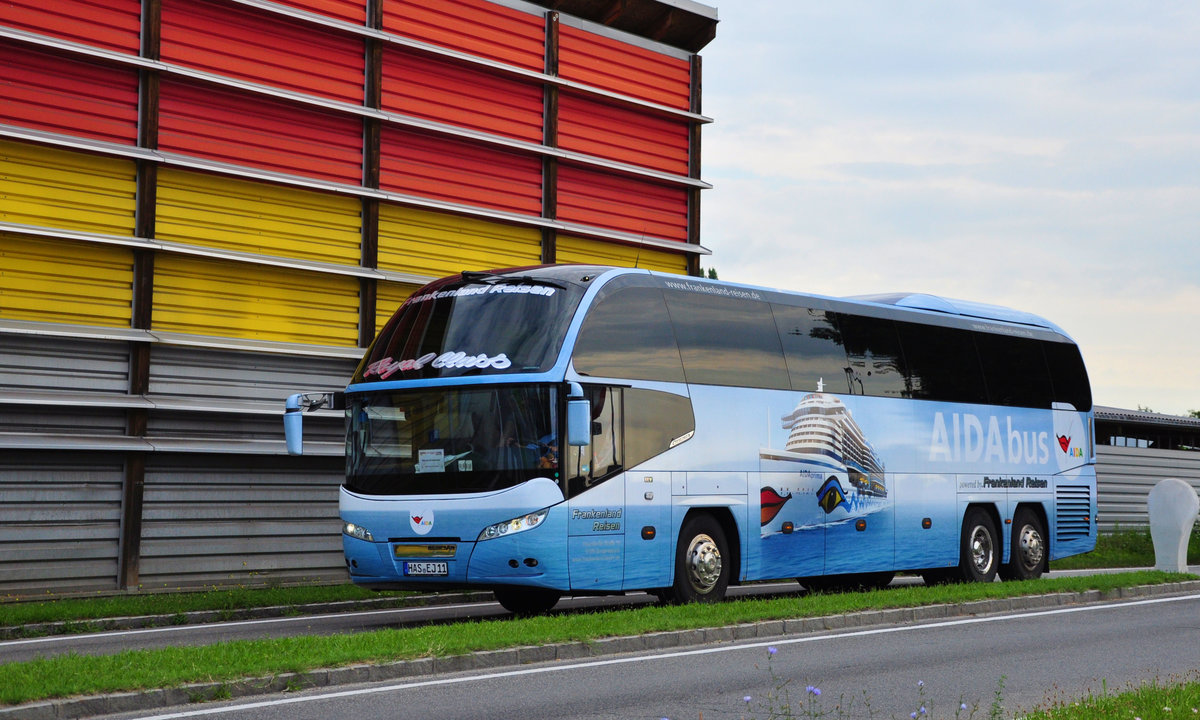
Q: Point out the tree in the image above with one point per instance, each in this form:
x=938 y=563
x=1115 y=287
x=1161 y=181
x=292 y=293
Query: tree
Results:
x=1194 y=413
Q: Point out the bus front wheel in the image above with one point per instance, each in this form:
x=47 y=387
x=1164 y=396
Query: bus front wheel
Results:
x=702 y=562
x=980 y=551
x=1027 y=559
x=526 y=601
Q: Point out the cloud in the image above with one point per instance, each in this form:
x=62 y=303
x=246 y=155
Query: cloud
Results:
x=1041 y=157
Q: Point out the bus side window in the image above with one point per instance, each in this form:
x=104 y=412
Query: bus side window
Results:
x=942 y=363
x=1068 y=375
x=592 y=464
x=874 y=364
x=1015 y=371
x=627 y=334
x=727 y=341
x=812 y=347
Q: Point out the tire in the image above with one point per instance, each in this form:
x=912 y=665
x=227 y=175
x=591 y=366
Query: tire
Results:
x=526 y=601
x=702 y=562
x=979 y=551
x=1028 y=557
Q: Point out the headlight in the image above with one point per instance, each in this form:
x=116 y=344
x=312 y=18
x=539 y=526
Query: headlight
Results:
x=516 y=525
x=357 y=531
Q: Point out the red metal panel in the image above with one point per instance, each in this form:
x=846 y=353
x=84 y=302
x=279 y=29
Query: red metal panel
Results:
x=621 y=203
x=234 y=127
x=460 y=172
x=622 y=132
x=354 y=11
x=627 y=69
x=113 y=24
x=477 y=27
x=263 y=47
x=62 y=95
x=424 y=86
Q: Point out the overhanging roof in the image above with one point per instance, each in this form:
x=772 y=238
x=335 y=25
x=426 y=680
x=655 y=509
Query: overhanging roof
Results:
x=1141 y=417
x=679 y=23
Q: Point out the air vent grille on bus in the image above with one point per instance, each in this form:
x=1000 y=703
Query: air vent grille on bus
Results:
x=1073 y=506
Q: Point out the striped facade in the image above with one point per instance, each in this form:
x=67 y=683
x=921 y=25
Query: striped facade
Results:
x=207 y=204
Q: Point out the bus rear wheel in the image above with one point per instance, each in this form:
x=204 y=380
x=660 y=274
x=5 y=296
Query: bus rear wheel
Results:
x=979 y=552
x=702 y=562
x=1027 y=560
x=526 y=601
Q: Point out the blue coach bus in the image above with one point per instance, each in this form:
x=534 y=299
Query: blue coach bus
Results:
x=573 y=429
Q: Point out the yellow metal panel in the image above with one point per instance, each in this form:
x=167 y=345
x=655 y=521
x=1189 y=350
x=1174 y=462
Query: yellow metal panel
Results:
x=226 y=299
x=599 y=252
x=437 y=244
x=257 y=218
x=65 y=282
x=388 y=299
x=56 y=188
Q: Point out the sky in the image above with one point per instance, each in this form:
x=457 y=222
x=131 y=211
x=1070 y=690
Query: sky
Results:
x=1040 y=156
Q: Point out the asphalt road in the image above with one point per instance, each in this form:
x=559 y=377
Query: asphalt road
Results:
x=1028 y=657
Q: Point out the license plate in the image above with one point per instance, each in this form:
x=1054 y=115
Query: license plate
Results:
x=426 y=568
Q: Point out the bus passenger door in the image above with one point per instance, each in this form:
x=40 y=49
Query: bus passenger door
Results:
x=647 y=530
x=596 y=499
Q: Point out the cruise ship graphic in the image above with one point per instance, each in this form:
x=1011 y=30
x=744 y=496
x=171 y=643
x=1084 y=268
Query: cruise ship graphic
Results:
x=824 y=437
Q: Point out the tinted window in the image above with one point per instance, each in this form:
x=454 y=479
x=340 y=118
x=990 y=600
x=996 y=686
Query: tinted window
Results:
x=875 y=365
x=1015 y=370
x=452 y=327
x=942 y=363
x=653 y=420
x=1068 y=375
x=727 y=341
x=812 y=347
x=627 y=334
x=592 y=464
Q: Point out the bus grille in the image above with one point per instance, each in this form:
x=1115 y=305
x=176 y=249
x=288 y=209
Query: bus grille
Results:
x=1073 y=505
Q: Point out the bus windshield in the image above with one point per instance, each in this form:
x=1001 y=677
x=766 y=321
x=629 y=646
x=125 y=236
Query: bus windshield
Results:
x=439 y=441
x=474 y=324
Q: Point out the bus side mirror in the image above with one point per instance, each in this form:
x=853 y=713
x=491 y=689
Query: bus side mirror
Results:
x=579 y=423
x=293 y=419
x=579 y=417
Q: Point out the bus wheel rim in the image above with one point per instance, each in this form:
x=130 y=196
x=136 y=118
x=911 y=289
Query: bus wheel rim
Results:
x=1031 y=547
x=981 y=549
x=703 y=563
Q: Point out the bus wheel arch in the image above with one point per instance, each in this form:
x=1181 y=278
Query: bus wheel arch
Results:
x=981 y=546
x=706 y=558
x=1029 y=553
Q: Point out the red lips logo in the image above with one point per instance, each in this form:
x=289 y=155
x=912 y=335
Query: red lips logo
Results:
x=416 y=519
x=1064 y=442
x=772 y=503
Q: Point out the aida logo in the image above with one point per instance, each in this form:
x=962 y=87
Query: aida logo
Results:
x=771 y=503
x=1064 y=442
x=421 y=521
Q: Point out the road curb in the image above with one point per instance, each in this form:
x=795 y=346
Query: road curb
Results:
x=150 y=700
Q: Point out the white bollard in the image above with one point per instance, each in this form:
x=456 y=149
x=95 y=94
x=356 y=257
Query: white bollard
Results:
x=1173 y=507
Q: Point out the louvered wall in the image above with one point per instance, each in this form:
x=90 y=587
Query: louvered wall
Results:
x=203 y=215
x=1125 y=476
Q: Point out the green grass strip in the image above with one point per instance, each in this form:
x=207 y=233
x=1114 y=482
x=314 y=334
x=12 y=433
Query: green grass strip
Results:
x=1157 y=700
x=225 y=599
x=68 y=675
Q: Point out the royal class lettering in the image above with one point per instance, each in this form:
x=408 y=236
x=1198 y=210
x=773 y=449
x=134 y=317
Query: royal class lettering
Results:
x=385 y=368
x=484 y=290
x=964 y=437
